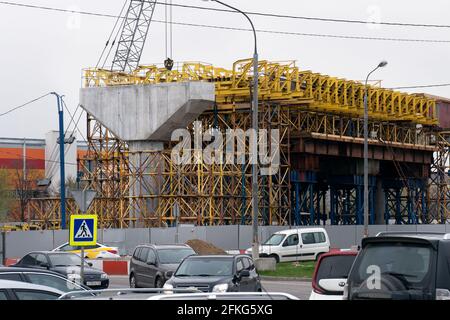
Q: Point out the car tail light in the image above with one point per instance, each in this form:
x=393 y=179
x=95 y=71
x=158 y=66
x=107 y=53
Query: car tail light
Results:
x=442 y=294
x=112 y=251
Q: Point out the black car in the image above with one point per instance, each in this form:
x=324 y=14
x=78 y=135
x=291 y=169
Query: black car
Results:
x=401 y=266
x=67 y=264
x=150 y=263
x=216 y=273
x=41 y=277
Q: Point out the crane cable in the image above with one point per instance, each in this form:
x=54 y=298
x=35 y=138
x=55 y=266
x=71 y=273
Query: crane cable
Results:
x=110 y=36
x=168 y=27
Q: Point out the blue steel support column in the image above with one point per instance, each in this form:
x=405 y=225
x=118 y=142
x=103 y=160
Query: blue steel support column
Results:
x=332 y=206
x=398 y=207
x=386 y=206
x=373 y=185
x=359 y=204
x=311 y=204
x=61 y=160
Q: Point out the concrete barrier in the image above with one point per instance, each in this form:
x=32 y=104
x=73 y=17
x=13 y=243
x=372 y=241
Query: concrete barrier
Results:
x=266 y=264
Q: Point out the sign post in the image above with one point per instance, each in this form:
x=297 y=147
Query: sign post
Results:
x=83 y=232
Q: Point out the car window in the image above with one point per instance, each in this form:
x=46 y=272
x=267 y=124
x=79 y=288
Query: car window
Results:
x=68 y=247
x=319 y=237
x=143 y=255
x=174 y=256
x=35 y=295
x=53 y=281
x=29 y=260
x=151 y=257
x=239 y=266
x=10 y=276
x=136 y=253
x=250 y=262
x=403 y=268
x=41 y=259
x=3 y=295
x=308 y=238
x=274 y=239
x=335 y=267
x=246 y=263
x=206 y=267
x=292 y=240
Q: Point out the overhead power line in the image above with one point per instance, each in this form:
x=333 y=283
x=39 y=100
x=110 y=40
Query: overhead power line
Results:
x=319 y=35
x=23 y=105
x=284 y=16
x=422 y=86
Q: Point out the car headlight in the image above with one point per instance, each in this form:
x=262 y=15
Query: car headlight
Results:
x=168 y=288
x=104 y=276
x=223 y=287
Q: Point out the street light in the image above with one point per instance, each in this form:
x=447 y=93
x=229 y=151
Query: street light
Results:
x=366 y=153
x=255 y=243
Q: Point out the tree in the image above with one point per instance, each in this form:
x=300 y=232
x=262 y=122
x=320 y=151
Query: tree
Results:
x=24 y=192
x=5 y=194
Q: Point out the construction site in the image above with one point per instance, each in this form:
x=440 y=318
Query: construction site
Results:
x=132 y=110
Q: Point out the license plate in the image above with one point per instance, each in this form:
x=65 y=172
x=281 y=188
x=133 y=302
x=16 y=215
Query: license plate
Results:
x=93 y=283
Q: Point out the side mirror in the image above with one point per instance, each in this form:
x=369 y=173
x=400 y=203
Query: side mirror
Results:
x=169 y=274
x=333 y=285
x=244 y=274
x=45 y=265
x=285 y=244
x=151 y=263
x=90 y=264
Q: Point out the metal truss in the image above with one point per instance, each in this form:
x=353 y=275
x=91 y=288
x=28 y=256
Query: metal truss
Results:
x=134 y=33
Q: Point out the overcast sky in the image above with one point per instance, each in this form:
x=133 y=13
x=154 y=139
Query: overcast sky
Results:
x=43 y=51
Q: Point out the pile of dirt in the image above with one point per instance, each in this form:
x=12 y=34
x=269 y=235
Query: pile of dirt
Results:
x=204 y=248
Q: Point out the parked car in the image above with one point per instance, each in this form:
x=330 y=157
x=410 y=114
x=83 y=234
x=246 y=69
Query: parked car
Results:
x=150 y=263
x=97 y=251
x=67 y=264
x=401 y=266
x=41 y=277
x=330 y=274
x=18 y=290
x=295 y=245
x=216 y=273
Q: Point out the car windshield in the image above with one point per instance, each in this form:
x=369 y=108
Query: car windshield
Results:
x=395 y=270
x=274 y=239
x=174 y=256
x=205 y=267
x=59 y=260
x=335 y=267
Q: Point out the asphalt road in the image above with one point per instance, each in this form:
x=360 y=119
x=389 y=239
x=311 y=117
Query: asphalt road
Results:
x=300 y=289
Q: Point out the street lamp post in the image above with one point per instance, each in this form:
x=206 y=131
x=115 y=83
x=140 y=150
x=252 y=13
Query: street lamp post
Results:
x=366 y=153
x=255 y=242
x=61 y=159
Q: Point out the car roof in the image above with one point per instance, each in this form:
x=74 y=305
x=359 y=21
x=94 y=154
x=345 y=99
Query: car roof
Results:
x=20 y=269
x=8 y=284
x=165 y=246
x=296 y=230
x=214 y=256
x=339 y=253
x=422 y=235
x=52 y=252
x=217 y=296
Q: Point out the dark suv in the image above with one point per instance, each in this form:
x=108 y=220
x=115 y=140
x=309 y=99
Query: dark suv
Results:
x=216 y=273
x=401 y=266
x=150 y=263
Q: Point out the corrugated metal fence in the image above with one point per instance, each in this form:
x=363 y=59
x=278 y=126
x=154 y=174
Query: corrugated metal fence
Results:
x=231 y=237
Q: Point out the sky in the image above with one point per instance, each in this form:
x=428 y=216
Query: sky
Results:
x=44 y=51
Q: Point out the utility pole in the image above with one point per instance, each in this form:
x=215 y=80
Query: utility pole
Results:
x=61 y=159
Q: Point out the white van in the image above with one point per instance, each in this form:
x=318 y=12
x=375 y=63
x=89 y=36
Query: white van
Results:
x=295 y=244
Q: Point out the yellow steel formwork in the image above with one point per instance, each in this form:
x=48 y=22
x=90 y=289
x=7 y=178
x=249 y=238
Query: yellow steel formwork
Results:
x=284 y=83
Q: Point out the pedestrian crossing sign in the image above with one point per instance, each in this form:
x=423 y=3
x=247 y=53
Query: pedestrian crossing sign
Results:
x=83 y=230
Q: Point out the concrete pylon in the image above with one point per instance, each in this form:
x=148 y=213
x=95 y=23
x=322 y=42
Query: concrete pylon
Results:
x=145 y=116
